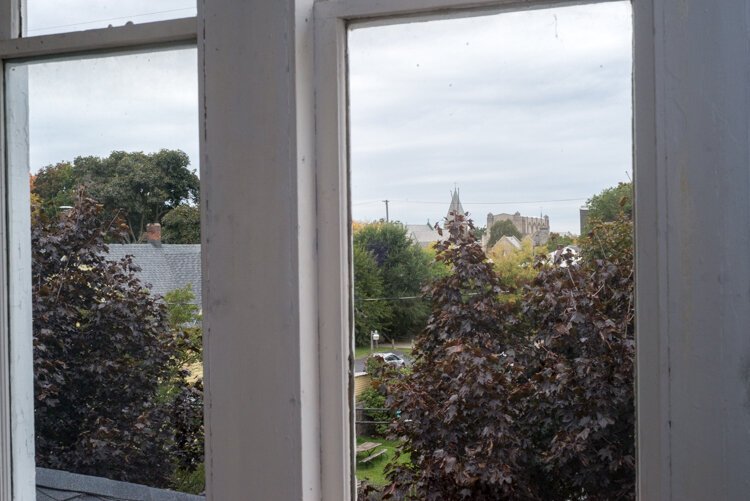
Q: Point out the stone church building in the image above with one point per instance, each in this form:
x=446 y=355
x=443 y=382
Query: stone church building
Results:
x=535 y=227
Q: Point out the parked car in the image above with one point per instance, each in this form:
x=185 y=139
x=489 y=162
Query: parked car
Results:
x=391 y=359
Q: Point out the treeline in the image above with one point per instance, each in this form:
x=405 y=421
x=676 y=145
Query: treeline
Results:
x=141 y=188
x=390 y=271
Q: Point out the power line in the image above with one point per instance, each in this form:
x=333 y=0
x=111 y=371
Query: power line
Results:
x=367 y=202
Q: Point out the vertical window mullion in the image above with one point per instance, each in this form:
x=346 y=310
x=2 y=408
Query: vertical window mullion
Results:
x=11 y=18
x=17 y=476
x=17 y=313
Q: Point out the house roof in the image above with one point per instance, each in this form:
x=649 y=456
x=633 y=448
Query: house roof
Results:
x=423 y=234
x=164 y=267
x=511 y=240
x=55 y=485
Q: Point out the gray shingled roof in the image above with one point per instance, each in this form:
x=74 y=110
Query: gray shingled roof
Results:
x=55 y=485
x=423 y=234
x=166 y=267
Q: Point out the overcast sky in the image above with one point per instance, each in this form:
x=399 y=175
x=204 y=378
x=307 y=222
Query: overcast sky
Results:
x=56 y=16
x=135 y=102
x=527 y=111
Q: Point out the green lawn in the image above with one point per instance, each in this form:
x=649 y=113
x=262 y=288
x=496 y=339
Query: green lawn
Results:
x=372 y=472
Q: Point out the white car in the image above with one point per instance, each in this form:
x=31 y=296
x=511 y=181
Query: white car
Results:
x=391 y=359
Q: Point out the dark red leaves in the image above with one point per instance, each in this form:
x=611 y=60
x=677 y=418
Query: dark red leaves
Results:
x=103 y=351
x=531 y=400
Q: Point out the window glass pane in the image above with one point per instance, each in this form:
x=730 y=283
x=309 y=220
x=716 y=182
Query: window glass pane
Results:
x=109 y=278
x=59 y=16
x=510 y=134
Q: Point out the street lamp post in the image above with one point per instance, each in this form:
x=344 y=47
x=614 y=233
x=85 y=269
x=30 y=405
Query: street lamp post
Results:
x=374 y=337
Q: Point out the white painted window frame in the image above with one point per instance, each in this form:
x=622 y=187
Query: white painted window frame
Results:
x=277 y=284
x=17 y=470
x=332 y=412
x=332 y=19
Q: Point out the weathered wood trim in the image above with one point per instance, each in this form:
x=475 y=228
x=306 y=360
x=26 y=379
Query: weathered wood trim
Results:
x=334 y=258
x=131 y=37
x=18 y=275
x=652 y=365
x=261 y=343
x=398 y=10
x=5 y=405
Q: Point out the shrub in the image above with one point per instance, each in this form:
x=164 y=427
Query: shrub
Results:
x=103 y=353
x=371 y=398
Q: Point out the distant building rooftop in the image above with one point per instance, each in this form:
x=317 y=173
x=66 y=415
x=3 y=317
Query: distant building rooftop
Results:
x=165 y=267
x=423 y=234
x=426 y=234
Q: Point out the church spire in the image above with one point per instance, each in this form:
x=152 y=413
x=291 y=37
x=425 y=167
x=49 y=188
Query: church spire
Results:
x=455 y=207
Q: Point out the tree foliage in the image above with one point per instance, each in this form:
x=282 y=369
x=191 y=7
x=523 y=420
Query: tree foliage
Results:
x=514 y=269
x=608 y=205
x=500 y=229
x=371 y=312
x=455 y=413
x=556 y=239
x=181 y=308
x=404 y=269
x=103 y=349
x=529 y=400
x=55 y=185
x=580 y=368
x=143 y=187
x=182 y=225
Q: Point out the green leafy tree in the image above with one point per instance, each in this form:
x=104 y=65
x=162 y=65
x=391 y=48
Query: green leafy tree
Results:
x=103 y=349
x=55 y=185
x=556 y=239
x=181 y=308
x=141 y=187
x=514 y=269
x=500 y=229
x=182 y=225
x=405 y=268
x=611 y=202
x=371 y=311
x=184 y=318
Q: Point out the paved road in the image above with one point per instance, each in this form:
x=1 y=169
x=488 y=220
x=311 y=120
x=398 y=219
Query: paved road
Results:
x=359 y=364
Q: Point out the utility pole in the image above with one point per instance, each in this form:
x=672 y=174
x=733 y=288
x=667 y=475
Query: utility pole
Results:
x=387 y=218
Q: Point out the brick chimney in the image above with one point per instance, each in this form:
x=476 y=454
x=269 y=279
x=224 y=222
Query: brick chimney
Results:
x=153 y=234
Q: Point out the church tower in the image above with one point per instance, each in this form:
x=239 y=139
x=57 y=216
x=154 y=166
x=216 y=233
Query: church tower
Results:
x=455 y=207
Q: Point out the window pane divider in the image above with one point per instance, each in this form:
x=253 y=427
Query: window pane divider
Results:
x=171 y=32
x=370 y=9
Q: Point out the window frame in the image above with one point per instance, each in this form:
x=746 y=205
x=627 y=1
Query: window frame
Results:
x=335 y=280
x=313 y=70
x=17 y=468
